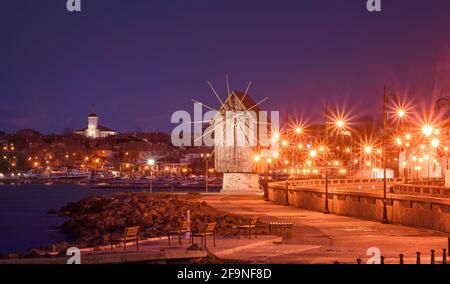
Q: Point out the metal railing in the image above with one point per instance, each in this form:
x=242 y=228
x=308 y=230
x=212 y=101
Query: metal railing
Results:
x=354 y=181
x=422 y=190
x=319 y=182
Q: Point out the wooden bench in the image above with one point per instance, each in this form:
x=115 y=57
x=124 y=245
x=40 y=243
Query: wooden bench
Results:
x=280 y=226
x=130 y=234
x=209 y=230
x=247 y=228
x=184 y=228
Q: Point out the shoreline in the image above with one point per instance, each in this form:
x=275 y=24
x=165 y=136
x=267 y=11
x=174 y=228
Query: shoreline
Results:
x=90 y=220
x=24 y=209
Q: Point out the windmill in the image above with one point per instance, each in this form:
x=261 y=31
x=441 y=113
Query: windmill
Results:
x=235 y=127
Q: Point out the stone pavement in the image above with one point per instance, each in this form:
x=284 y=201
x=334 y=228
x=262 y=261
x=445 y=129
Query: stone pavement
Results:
x=320 y=238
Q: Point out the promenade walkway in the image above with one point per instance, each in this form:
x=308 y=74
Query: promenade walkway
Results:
x=320 y=238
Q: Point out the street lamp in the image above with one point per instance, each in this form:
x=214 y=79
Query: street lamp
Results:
x=368 y=149
x=151 y=163
x=445 y=103
x=401 y=113
x=427 y=130
x=327 y=117
x=435 y=143
x=206 y=157
x=340 y=123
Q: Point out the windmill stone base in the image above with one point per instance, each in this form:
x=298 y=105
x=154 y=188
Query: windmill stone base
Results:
x=240 y=182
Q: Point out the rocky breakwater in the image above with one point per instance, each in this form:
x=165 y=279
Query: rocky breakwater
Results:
x=92 y=219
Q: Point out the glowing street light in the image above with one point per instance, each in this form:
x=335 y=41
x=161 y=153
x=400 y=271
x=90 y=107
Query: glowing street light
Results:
x=437 y=132
x=257 y=158
x=313 y=153
x=340 y=123
x=151 y=162
x=298 y=130
x=435 y=143
x=427 y=130
x=401 y=113
x=368 y=149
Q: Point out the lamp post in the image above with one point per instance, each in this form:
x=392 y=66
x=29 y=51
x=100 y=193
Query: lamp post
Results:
x=206 y=157
x=151 y=163
x=401 y=113
x=339 y=124
x=427 y=131
x=326 y=210
x=385 y=120
x=441 y=103
x=266 y=179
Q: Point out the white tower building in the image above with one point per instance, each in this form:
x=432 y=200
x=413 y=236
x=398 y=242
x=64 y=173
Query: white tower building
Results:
x=94 y=129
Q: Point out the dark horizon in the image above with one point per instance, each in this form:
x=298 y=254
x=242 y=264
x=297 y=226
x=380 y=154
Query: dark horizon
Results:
x=139 y=62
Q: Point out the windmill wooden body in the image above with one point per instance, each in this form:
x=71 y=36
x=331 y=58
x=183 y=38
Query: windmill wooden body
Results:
x=236 y=143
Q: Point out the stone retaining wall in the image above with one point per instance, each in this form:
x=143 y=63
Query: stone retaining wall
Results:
x=421 y=211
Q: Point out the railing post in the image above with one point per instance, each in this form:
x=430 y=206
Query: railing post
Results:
x=286 y=203
x=359 y=261
x=401 y=259
x=381 y=259
x=418 y=257
x=444 y=256
x=266 y=190
x=433 y=261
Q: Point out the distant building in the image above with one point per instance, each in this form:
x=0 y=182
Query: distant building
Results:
x=94 y=130
x=28 y=133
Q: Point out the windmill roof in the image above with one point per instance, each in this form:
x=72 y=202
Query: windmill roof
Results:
x=241 y=99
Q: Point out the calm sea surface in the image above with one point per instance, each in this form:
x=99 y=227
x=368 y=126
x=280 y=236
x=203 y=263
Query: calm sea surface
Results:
x=24 y=222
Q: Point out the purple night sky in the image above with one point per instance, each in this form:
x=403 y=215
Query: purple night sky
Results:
x=139 y=61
